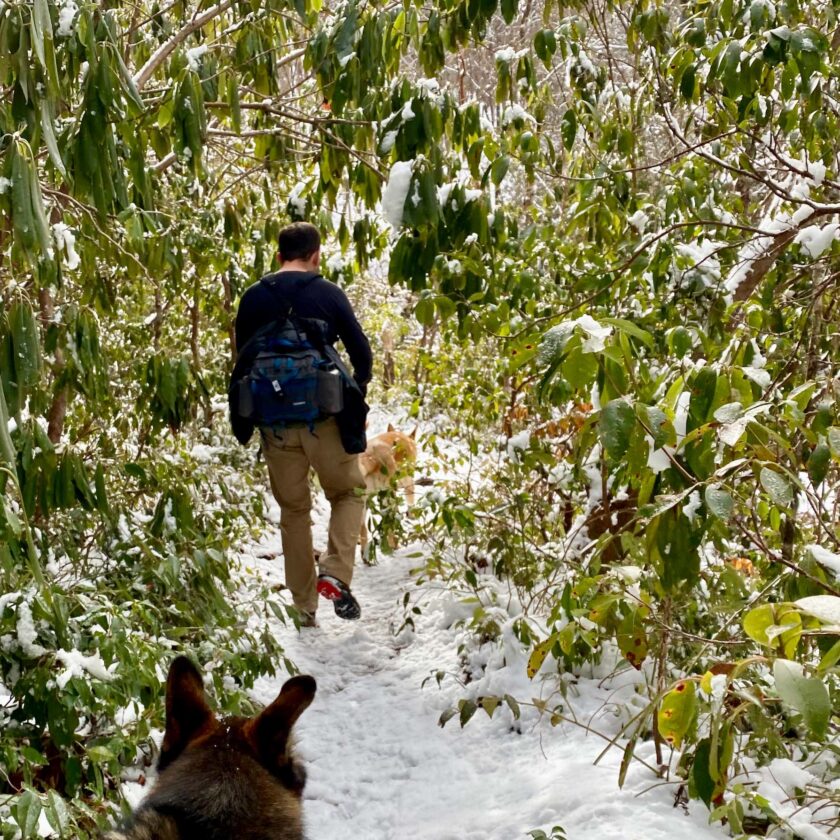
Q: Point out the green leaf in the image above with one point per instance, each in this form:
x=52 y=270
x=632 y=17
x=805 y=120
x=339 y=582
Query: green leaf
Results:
x=830 y=659
x=7 y=449
x=702 y=783
x=509 y=9
x=777 y=486
x=499 y=168
x=687 y=82
x=834 y=441
x=615 y=426
x=806 y=695
x=424 y=311
x=756 y=623
x=26 y=343
x=818 y=463
x=41 y=29
x=446 y=716
x=633 y=330
x=579 y=368
x=719 y=502
x=568 y=128
x=47 y=122
x=467 y=710
x=545 y=45
x=27 y=812
x=661 y=428
x=513 y=705
x=57 y=813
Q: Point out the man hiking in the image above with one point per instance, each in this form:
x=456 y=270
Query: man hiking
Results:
x=327 y=444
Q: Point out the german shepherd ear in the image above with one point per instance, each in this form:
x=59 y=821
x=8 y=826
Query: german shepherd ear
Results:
x=269 y=731
x=187 y=712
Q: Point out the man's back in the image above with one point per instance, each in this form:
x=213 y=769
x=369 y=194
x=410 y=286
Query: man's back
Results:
x=311 y=296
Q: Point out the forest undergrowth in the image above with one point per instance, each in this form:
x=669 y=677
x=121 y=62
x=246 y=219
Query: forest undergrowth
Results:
x=611 y=236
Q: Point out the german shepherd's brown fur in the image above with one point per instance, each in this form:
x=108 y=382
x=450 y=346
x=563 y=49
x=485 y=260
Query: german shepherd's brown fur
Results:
x=223 y=779
x=390 y=454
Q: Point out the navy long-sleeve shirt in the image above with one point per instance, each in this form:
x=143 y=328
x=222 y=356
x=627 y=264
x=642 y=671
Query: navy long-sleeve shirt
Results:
x=317 y=298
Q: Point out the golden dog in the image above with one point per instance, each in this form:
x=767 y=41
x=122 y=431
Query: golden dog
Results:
x=388 y=459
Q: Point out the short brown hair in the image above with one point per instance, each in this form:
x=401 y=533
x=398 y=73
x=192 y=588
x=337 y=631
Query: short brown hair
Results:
x=298 y=241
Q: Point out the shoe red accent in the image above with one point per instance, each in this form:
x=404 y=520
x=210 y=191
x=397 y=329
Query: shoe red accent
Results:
x=328 y=590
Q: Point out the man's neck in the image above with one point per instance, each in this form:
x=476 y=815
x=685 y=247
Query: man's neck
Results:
x=298 y=265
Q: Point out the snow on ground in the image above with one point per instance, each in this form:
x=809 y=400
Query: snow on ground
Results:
x=381 y=768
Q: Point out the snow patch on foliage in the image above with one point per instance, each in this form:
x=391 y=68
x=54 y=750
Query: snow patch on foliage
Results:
x=693 y=504
x=704 y=265
x=27 y=632
x=396 y=192
x=296 y=200
x=638 y=220
x=826 y=558
x=194 y=57
x=67 y=19
x=387 y=142
x=77 y=665
x=516 y=112
x=65 y=243
x=517 y=444
x=509 y=54
x=658 y=459
x=815 y=240
x=557 y=337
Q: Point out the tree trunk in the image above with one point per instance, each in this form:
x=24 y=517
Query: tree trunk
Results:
x=58 y=409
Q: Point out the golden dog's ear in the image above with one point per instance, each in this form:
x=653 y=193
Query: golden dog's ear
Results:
x=391 y=427
x=269 y=731
x=413 y=434
x=187 y=714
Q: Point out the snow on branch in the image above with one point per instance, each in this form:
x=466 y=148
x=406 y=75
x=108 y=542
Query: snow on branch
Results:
x=168 y=47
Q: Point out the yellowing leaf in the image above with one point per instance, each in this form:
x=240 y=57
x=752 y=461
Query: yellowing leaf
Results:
x=677 y=711
x=538 y=655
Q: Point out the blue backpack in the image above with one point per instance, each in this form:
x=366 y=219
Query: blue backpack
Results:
x=295 y=375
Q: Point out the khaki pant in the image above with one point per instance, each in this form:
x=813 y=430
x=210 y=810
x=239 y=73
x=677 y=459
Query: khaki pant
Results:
x=289 y=454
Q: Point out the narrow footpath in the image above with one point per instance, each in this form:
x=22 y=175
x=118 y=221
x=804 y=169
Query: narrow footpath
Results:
x=381 y=768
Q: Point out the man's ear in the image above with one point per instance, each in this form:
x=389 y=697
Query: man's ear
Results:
x=187 y=714
x=269 y=731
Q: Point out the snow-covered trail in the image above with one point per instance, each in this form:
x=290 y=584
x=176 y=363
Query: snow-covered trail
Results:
x=380 y=767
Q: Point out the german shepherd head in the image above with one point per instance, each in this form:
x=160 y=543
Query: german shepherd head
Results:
x=223 y=779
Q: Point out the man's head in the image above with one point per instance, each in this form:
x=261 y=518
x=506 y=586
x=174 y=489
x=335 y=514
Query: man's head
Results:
x=300 y=243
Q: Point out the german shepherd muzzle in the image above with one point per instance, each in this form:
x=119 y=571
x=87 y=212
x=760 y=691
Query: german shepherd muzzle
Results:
x=228 y=779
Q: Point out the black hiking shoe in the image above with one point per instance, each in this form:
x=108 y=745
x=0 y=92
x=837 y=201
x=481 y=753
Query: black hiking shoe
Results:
x=344 y=604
